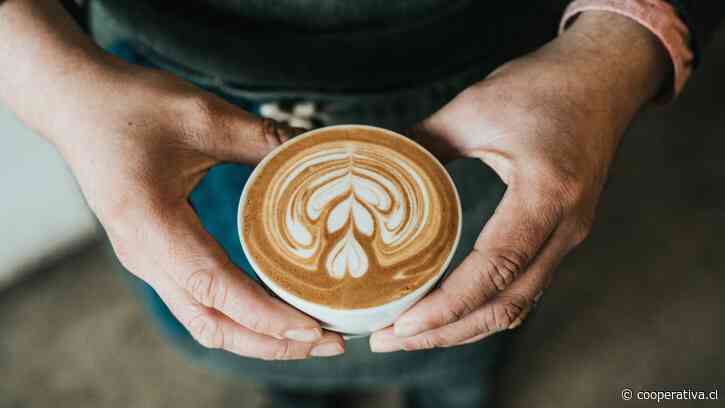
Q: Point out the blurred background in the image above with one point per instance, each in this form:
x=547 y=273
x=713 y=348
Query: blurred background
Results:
x=638 y=306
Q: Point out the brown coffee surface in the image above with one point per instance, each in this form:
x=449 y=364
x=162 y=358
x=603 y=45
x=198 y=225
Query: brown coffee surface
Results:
x=350 y=217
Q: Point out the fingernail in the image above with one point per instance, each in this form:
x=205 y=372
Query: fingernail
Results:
x=326 y=350
x=377 y=346
x=304 y=335
x=408 y=328
x=516 y=324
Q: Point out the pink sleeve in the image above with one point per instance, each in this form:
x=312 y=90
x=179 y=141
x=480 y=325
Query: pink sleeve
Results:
x=656 y=15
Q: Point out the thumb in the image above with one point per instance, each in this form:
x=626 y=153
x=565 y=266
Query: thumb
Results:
x=232 y=134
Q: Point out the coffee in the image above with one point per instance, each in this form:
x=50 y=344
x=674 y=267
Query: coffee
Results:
x=350 y=217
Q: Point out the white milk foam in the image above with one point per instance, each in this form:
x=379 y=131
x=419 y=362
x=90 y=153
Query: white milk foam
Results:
x=352 y=192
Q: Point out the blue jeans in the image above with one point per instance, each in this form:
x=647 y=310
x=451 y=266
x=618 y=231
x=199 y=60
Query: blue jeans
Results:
x=215 y=201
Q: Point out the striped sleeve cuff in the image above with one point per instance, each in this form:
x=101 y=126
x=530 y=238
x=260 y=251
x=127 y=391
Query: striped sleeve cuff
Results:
x=660 y=18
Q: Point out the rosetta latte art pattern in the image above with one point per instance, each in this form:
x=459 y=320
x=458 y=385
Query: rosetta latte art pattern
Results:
x=350 y=223
x=352 y=193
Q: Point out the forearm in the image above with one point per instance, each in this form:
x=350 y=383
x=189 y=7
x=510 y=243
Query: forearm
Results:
x=49 y=69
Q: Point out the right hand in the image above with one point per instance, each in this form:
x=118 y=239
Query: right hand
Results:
x=138 y=149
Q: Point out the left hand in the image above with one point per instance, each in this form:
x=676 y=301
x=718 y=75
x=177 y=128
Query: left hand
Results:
x=549 y=124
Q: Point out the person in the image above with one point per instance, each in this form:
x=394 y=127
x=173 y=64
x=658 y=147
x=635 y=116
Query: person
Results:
x=163 y=109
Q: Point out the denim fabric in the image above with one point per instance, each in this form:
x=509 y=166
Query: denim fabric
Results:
x=215 y=200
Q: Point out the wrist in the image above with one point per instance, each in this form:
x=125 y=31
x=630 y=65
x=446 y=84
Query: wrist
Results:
x=48 y=67
x=77 y=108
x=623 y=60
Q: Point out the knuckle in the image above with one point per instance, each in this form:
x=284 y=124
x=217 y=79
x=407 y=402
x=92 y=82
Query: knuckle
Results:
x=285 y=351
x=206 y=330
x=504 y=313
x=207 y=288
x=458 y=306
x=486 y=324
x=271 y=132
x=503 y=267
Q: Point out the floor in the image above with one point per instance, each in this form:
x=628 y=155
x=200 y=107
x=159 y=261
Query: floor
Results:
x=638 y=306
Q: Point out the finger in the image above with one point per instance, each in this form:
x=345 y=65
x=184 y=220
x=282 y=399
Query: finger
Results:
x=506 y=311
x=215 y=330
x=385 y=341
x=229 y=133
x=473 y=339
x=516 y=323
x=257 y=135
x=432 y=139
x=198 y=265
x=519 y=320
x=508 y=242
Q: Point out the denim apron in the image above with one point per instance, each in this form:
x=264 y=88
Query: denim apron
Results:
x=216 y=197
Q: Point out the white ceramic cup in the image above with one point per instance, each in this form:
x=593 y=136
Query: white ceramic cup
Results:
x=352 y=322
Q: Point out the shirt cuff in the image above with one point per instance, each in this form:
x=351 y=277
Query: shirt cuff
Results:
x=661 y=19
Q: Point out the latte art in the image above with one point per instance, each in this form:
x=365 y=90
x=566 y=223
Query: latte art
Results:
x=353 y=192
x=350 y=219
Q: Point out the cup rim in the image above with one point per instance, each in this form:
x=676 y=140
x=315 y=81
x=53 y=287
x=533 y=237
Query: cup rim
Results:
x=275 y=287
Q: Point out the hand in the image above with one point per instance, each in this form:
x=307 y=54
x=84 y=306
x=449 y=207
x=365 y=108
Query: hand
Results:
x=138 y=141
x=549 y=124
x=137 y=152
